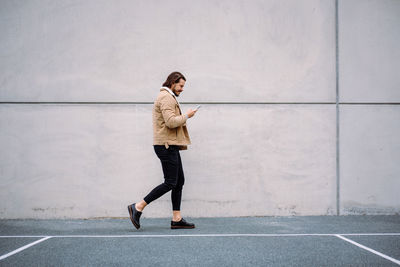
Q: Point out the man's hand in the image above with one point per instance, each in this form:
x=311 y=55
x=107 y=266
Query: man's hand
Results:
x=191 y=113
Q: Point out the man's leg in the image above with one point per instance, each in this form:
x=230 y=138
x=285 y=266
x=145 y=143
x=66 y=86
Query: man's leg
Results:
x=176 y=193
x=170 y=164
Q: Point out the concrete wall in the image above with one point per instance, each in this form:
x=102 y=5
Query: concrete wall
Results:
x=369 y=66
x=78 y=79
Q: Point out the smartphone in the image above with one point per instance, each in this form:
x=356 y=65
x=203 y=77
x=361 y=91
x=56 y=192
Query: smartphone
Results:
x=199 y=106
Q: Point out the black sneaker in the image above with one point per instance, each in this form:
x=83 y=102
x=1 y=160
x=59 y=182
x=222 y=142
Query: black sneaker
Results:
x=182 y=224
x=134 y=215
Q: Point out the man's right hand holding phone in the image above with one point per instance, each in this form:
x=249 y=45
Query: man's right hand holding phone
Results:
x=190 y=113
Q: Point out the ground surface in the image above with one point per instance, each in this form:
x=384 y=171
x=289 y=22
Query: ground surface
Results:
x=245 y=241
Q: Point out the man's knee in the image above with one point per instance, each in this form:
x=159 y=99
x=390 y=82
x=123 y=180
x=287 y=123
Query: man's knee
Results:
x=178 y=187
x=170 y=184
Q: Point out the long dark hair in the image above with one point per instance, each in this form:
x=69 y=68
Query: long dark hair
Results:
x=174 y=77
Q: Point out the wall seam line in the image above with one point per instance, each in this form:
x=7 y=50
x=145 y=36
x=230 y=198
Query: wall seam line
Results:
x=205 y=103
x=337 y=109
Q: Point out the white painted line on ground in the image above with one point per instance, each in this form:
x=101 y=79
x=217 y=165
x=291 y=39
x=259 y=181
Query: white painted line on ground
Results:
x=23 y=236
x=24 y=247
x=371 y=234
x=206 y=235
x=369 y=249
x=190 y=235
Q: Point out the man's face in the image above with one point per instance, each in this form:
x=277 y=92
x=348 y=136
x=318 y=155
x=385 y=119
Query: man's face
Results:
x=177 y=88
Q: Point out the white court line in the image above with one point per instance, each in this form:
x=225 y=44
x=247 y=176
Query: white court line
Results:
x=205 y=235
x=369 y=249
x=371 y=234
x=179 y=235
x=24 y=247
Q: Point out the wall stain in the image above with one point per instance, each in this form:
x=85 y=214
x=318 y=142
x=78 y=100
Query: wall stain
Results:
x=52 y=209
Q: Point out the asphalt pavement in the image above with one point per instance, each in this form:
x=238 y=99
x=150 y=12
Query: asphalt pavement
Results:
x=238 y=241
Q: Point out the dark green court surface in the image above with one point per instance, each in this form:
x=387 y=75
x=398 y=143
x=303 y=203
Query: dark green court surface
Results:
x=246 y=241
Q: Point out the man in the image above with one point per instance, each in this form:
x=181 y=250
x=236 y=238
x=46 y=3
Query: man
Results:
x=169 y=136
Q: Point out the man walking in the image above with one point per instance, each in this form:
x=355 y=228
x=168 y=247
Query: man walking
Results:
x=169 y=136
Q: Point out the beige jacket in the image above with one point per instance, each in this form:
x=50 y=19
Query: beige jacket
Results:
x=169 y=125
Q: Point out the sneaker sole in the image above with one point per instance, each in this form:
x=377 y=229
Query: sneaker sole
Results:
x=182 y=227
x=131 y=217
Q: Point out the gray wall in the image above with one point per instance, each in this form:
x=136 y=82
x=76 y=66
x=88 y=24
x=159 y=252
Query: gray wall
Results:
x=369 y=90
x=296 y=120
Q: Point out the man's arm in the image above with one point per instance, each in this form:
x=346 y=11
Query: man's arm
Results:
x=167 y=108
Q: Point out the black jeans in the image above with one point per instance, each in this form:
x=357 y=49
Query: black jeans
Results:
x=173 y=176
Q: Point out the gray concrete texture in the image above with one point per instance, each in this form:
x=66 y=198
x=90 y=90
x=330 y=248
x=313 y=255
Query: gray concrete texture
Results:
x=255 y=241
x=252 y=155
x=370 y=153
x=123 y=50
x=369 y=51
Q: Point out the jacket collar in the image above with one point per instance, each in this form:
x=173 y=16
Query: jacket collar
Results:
x=172 y=93
x=169 y=90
